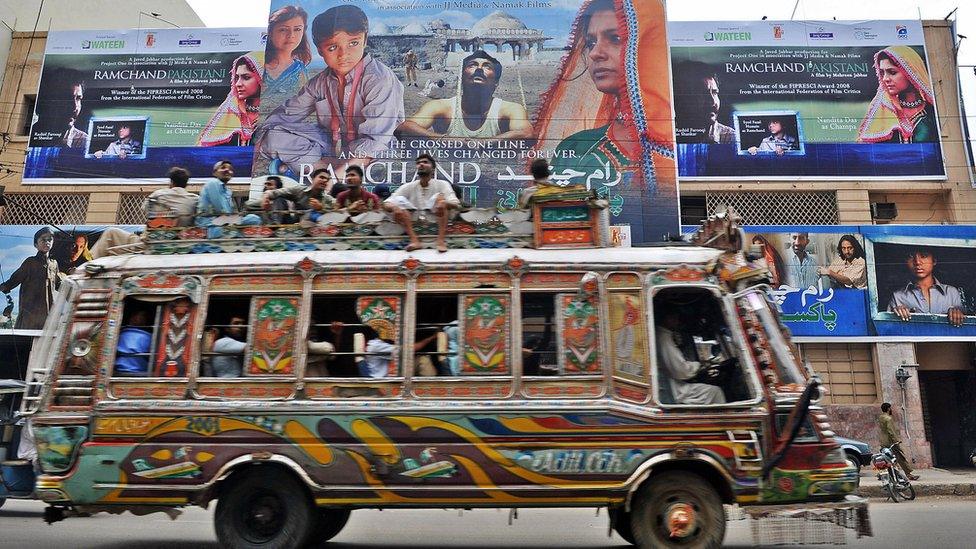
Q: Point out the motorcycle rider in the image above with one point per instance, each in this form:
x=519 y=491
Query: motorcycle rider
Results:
x=889 y=436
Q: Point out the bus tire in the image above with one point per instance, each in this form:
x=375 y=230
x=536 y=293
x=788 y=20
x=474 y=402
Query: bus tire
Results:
x=266 y=508
x=621 y=524
x=327 y=525
x=684 y=502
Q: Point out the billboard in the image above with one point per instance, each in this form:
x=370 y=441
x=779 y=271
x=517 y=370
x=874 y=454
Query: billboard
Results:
x=819 y=291
x=33 y=261
x=876 y=280
x=485 y=89
x=774 y=99
x=122 y=107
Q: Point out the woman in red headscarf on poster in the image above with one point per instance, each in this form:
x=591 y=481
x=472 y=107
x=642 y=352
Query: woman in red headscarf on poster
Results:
x=607 y=116
x=903 y=110
x=236 y=118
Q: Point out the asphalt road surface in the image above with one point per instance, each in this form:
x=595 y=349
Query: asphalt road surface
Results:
x=930 y=522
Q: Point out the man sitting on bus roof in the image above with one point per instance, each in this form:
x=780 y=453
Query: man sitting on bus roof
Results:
x=216 y=201
x=676 y=352
x=424 y=193
x=314 y=199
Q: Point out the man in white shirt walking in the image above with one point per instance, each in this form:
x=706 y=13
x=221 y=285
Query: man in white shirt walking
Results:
x=424 y=193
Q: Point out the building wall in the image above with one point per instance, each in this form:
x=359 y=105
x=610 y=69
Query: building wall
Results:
x=22 y=72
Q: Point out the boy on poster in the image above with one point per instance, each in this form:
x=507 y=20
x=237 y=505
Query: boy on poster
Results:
x=357 y=102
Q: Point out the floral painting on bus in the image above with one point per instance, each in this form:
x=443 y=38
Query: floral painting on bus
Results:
x=581 y=334
x=484 y=340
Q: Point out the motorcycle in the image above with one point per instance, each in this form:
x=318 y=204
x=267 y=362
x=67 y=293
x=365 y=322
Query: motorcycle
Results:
x=16 y=475
x=894 y=480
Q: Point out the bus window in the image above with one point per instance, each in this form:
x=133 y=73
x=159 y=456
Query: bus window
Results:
x=539 y=355
x=698 y=362
x=225 y=337
x=437 y=334
x=139 y=322
x=354 y=336
x=560 y=334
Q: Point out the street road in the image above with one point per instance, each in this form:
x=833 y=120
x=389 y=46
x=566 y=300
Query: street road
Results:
x=942 y=523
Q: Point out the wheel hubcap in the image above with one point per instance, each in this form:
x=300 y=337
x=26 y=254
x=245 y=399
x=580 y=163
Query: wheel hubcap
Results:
x=681 y=520
x=264 y=516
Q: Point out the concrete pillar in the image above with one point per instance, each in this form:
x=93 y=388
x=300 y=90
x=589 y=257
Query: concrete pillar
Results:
x=906 y=404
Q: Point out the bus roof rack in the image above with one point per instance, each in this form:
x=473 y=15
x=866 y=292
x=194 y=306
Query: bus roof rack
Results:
x=564 y=223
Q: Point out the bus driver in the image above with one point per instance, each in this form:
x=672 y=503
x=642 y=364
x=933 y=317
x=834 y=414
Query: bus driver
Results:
x=676 y=353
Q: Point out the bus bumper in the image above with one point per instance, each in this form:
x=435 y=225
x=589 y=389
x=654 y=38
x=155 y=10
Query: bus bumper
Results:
x=809 y=523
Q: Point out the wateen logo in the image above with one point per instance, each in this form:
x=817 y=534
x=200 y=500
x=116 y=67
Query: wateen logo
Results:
x=740 y=36
x=102 y=44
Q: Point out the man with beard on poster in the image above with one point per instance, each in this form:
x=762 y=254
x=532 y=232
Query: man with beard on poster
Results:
x=474 y=112
x=849 y=269
x=61 y=113
x=697 y=104
x=39 y=278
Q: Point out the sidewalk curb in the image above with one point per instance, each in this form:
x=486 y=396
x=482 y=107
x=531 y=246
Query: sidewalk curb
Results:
x=925 y=490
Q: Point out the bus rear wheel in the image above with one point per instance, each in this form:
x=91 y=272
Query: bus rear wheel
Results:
x=328 y=524
x=265 y=509
x=678 y=509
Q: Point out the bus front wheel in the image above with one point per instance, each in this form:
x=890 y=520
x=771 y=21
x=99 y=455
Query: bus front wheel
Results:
x=678 y=509
x=621 y=524
x=264 y=508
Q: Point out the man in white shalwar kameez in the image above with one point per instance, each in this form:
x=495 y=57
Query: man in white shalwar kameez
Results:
x=680 y=368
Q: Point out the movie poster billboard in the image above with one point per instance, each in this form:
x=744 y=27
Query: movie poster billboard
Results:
x=122 y=107
x=874 y=280
x=921 y=280
x=775 y=99
x=818 y=278
x=486 y=87
x=34 y=259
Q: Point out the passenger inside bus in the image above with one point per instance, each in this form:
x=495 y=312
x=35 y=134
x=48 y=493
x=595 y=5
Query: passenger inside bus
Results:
x=436 y=314
x=697 y=363
x=135 y=338
x=379 y=349
x=228 y=350
x=539 y=356
x=321 y=352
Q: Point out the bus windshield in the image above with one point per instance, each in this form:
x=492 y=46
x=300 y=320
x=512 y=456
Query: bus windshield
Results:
x=771 y=345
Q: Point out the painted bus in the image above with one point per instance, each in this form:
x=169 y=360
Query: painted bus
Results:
x=296 y=387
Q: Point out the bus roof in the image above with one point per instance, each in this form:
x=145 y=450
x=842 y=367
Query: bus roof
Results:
x=583 y=258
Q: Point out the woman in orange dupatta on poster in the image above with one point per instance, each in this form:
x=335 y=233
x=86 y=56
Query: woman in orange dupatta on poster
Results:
x=608 y=114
